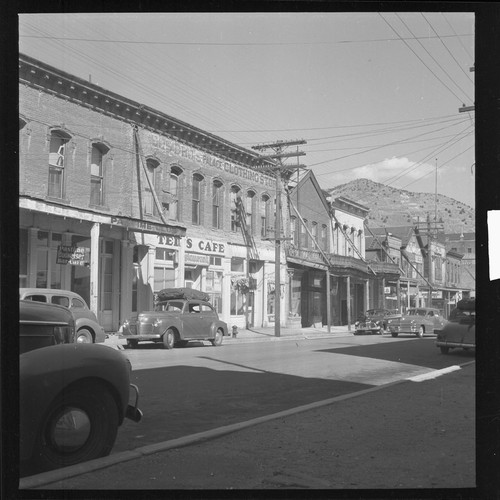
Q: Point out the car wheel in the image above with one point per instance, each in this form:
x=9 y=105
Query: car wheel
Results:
x=444 y=349
x=394 y=334
x=421 y=331
x=217 y=340
x=132 y=344
x=169 y=339
x=83 y=336
x=80 y=425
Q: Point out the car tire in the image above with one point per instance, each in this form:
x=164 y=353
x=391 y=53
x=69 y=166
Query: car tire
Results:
x=421 y=331
x=169 y=339
x=444 y=349
x=132 y=344
x=394 y=334
x=84 y=336
x=97 y=410
x=217 y=340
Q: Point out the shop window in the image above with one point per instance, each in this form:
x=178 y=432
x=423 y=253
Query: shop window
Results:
x=213 y=287
x=235 y=201
x=48 y=272
x=97 y=174
x=264 y=215
x=164 y=277
x=196 y=203
x=238 y=301
x=57 y=163
x=217 y=205
x=215 y=261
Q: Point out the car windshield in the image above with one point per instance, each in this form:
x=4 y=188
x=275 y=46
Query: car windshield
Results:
x=416 y=312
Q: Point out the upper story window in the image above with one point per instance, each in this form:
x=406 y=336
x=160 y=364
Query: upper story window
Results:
x=264 y=215
x=249 y=210
x=235 y=201
x=314 y=233
x=217 y=204
x=173 y=204
x=196 y=204
x=293 y=229
x=57 y=163
x=322 y=238
x=303 y=240
x=154 y=175
x=97 y=174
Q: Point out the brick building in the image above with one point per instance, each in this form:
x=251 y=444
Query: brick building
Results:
x=118 y=200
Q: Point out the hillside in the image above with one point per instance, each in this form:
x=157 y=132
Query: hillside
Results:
x=395 y=207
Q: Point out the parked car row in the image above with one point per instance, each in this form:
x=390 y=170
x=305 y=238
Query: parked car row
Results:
x=460 y=331
x=73 y=396
x=374 y=321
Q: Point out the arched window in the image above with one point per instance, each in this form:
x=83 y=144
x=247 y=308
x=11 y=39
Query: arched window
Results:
x=235 y=201
x=264 y=215
x=154 y=178
x=196 y=204
x=175 y=194
x=57 y=163
x=249 y=211
x=217 y=204
x=97 y=174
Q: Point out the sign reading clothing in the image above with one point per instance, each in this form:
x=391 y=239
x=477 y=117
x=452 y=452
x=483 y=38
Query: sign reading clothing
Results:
x=73 y=255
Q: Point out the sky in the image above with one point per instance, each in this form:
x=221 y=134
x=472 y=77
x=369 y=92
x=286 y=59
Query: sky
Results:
x=374 y=95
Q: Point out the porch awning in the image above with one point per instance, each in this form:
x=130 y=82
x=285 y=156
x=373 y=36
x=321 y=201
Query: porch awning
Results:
x=307 y=263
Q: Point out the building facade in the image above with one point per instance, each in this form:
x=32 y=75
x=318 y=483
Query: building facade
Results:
x=118 y=200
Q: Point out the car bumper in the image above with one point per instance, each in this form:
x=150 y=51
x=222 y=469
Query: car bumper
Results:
x=132 y=411
x=450 y=344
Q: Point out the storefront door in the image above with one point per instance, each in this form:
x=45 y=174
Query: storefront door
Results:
x=106 y=285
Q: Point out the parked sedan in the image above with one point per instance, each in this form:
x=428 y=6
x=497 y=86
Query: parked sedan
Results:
x=179 y=315
x=73 y=397
x=460 y=331
x=88 y=329
x=374 y=321
x=418 y=321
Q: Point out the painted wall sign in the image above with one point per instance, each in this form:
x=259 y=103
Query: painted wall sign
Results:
x=205 y=246
x=73 y=255
x=171 y=147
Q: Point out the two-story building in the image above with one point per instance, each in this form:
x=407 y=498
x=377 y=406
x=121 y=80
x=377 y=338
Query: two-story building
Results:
x=119 y=200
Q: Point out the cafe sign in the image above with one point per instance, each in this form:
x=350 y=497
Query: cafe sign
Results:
x=73 y=255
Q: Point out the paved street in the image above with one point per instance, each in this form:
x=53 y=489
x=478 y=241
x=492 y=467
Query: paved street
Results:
x=200 y=388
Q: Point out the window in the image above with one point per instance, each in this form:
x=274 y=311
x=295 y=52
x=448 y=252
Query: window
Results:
x=57 y=156
x=175 y=193
x=235 y=201
x=264 y=216
x=237 y=264
x=154 y=174
x=314 y=233
x=303 y=235
x=322 y=239
x=216 y=204
x=96 y=175
x=213 y=286
x=293 y=229
x=164 y=271
x=60 y=300
x=469 y=250
x=48 y=272
x=197 y=180
x=249 y=211
x=23 y=258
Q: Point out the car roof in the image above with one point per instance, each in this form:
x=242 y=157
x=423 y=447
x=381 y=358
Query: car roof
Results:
x=49 y=291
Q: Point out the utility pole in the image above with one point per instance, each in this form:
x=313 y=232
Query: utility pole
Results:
x=279 y=153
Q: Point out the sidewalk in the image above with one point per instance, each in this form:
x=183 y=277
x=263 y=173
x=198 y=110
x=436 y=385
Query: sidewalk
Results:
x=361 y=440
x=265 y=334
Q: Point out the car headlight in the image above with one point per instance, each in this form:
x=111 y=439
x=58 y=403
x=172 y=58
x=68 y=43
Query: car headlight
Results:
x=125 y=323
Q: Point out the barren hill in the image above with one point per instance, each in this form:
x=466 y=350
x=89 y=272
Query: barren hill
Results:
x=395 y=207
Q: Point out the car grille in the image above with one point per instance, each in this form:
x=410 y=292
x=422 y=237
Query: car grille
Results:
x=144 y=329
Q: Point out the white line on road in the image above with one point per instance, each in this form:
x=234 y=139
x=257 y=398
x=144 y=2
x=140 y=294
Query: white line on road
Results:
x=434 y=374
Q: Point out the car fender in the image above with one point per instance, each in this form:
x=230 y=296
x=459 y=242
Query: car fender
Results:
x=175 y=324
x=44 y=373
x=216 y=325
x=98 y=330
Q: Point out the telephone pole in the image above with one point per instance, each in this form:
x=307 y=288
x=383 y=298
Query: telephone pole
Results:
x=279 y=153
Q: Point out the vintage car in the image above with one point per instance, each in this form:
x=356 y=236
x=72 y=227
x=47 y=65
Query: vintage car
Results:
x=179 y=315
x=374 y=321
x=418 y=321
x=73 y=397
x=88 y=329
x=460 y=331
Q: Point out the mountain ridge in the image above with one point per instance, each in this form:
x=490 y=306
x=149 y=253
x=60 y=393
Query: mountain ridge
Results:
x=398 y=207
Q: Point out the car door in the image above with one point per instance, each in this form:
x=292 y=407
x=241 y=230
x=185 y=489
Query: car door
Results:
x=192 y=320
